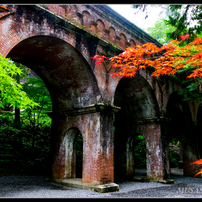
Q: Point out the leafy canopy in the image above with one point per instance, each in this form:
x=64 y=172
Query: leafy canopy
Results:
x=166 y=60
x=185 y=19
x=160 y=30
x=11 y=92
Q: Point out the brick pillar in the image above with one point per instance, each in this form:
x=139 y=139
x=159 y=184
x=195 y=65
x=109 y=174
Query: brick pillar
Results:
x=96 y=125
x=129 y=157
x=91 y=149
x=191 y=150
x=152 y=135
x=98 y=165
x=62 y=149
x=58 y=129
x=189 y=155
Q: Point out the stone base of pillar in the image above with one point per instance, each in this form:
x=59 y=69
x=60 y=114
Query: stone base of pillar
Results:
x=146 y=179
x=77 y=183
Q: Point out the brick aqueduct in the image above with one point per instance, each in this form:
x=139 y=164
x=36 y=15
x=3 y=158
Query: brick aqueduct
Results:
x=57 y=42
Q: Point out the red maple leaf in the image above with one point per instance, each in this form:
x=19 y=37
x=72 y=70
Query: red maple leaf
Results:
x=184 y=37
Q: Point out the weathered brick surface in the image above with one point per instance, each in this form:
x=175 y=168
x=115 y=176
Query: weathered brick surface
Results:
x=57 y=42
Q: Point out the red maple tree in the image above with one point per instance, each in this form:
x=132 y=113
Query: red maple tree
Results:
x=165 y=60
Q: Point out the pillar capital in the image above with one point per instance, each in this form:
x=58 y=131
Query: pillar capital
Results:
x=152 y=120
x=98 y=107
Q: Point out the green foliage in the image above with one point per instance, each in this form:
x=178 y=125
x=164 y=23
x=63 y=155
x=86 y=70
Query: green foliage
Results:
x=186 y=19
x=11 y=93
x=79 y=154
x=140 y=152
x=174 y=158
x=160 y=31
x=25 y=149
x=37 y=91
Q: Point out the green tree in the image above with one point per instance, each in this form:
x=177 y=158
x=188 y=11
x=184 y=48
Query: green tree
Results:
x=160 y=30
x=25 y=149
x=187 y=19
x=140 y=152
x=37 y=91
x=11 y=92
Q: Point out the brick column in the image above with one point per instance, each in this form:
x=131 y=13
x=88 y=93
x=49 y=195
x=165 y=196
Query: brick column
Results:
x=98 y=166
x=156 y=152
x=152 y=134
x=96 y=125
x=129 y=158
x=189 y=156
x=191 y=151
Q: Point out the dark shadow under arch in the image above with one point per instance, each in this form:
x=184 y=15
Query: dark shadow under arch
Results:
x=138 y=102
x=180 y=128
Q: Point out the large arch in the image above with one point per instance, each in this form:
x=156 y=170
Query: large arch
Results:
x=181 y=128
x=138 y=104
x=67 y=75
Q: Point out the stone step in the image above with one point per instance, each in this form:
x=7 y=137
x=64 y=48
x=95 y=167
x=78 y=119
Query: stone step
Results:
x=77 y=183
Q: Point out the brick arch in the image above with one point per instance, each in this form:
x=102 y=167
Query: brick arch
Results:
x=114 y=81
x=100 y=26
x=62 y=67
x=69 y=79
x=138 y=105
x=112 y=34
x=132 y=43
x=123 y=40
x=137 y=90
x=86 y=19
x=67 y=158
x=10 y=39
x=130 y=163
x=69 y=12
x=181 y=128
x=20 y=32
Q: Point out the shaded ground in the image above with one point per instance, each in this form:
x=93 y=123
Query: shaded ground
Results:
x=38 y=187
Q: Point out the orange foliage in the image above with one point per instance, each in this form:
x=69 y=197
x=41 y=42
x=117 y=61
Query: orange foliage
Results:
x=171 y=58
x=1 y=6
x=199 y=162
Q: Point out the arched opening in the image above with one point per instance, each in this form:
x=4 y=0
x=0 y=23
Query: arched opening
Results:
x=72 y=150
x=175 y=154
x=132 y=43
x=112 y=34
x=140 y=154
x=100 y=27
x=138 y=103
x=86 y=21
x=123 y=40
x=180 y=129
x=78 y=147
x=67 y=76
x=136 y=156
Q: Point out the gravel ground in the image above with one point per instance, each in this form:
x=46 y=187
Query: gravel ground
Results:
x=38 y=187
